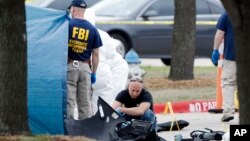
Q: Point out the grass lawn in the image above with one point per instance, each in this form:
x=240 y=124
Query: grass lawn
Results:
x=203 y=87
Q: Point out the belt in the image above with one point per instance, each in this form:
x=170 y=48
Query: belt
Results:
x=75 y=63
x=71 y=61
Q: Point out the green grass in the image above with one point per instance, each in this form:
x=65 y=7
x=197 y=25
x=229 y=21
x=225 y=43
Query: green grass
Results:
x=157 y=72
x=165 y=95
x=26 y=138
x=198 y=93
x=35 y=138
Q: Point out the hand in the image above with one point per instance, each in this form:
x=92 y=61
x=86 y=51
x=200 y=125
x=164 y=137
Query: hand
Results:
x=118 y=110
x=93 y=78
x=215 y=57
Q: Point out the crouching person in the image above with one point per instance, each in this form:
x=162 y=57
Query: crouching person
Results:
x=135 y=103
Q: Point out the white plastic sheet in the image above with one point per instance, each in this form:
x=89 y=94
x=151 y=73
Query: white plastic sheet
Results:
x=112 y=72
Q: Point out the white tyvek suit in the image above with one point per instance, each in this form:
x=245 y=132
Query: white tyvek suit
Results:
x=112 y=71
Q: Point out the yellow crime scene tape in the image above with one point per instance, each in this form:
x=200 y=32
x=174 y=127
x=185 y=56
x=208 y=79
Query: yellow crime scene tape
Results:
x=153 y=22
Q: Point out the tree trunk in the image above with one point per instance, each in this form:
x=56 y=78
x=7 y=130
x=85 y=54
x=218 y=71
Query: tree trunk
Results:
x=239 y=12
x=183 y=50
x=13 y=67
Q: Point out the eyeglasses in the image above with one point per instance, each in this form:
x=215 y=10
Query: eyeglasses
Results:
x=136 y=80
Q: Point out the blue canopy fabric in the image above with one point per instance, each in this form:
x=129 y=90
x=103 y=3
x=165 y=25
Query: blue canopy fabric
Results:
x=47 y=39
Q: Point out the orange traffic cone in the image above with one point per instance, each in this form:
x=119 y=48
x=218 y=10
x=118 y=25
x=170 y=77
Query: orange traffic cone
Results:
x=219 y=96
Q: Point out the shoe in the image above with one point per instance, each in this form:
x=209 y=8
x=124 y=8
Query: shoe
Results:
x=227 y=118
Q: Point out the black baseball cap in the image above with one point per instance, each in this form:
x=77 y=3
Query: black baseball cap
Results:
x=78 y=3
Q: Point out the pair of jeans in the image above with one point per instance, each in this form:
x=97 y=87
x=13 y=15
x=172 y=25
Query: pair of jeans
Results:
x=147 y=116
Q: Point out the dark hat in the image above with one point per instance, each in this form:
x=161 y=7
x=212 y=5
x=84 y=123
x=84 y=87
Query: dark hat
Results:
x=78 y=3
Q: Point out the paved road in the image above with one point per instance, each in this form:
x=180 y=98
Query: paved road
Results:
x=157 y=62
x=197 y=121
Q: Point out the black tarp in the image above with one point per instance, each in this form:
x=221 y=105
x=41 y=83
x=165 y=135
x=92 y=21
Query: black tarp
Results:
x=97 y=127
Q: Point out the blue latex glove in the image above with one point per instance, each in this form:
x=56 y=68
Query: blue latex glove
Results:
x=119 y=111
x=93 y=78
x=215 y=57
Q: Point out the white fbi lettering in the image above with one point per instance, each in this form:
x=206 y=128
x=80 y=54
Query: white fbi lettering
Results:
x=240 y=132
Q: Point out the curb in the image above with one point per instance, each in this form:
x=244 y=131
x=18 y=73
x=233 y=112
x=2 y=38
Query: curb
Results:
x=187 y=106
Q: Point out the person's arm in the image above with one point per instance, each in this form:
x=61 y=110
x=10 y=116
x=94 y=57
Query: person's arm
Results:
x=136 y=111
x=116 y=104
x=219 y=36
x=95 y=59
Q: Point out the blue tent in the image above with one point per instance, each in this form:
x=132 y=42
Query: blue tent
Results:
x=47 y=36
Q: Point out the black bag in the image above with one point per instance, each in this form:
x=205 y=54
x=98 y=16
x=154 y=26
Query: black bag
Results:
x=199 y=135
x=136 y=130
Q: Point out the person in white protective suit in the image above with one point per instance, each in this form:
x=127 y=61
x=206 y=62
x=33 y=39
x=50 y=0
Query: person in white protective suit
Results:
x=112 y=72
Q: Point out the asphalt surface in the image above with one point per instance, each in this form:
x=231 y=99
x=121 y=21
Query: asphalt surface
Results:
x=197 y=121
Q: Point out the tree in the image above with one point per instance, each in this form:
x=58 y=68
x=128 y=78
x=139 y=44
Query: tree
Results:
x=239 y=13
x=183 y=50
x=13 y=67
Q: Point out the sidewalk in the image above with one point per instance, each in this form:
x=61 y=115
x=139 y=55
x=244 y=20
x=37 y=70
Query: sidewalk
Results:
x=197 y=121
